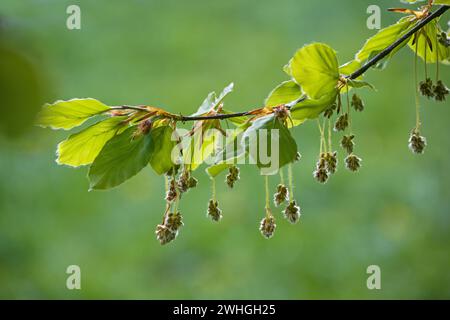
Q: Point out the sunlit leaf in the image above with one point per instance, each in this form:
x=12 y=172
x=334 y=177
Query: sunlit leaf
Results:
x=161 y=160
x=384 y=38
x=286 y=92
x=427 y=43
x=121 y=158
x=83 y=147
x=349 y=67
x=315 y=68
x=69 y=114
x=311 y=108
x=212 y=101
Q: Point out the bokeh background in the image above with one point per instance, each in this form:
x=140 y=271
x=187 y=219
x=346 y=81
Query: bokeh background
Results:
x=395 y=213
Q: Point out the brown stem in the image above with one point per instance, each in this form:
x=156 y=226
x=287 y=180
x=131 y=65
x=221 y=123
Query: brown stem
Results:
x=422 y=23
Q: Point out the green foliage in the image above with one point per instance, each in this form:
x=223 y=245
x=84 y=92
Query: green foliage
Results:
x=69 y=114
x=161 y=160
x=286 y=92
x=121 y=158
x=212 y=101
x=117 y=151
x=315 y=68
x=287 y=145
x=382 y=40
x=83 y=147
x=426 y=42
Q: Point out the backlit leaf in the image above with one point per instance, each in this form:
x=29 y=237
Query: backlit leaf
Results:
x=83 y=147
x=315 y=68
x=121 y=158
x=69 y=114
x=161 y=160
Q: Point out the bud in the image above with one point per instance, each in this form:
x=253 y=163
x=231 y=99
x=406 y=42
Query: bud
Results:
x=172 y=192
x=267 y=227
x=331 y=162
x=292 y=212
x=213 y=211
x=164 y=235
x=232 y=176
x=357 y=103
x=426 y=88
x=174 y=221
x=353 y=163
x=440 y=91
x=281 y=112
x=144 y=127
x=298 y=157
x=417 y=143
x=341 y=123
x=347 y=143
x=281 y=195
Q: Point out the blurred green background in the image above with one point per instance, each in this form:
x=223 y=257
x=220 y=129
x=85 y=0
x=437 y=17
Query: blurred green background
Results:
x=395 y=213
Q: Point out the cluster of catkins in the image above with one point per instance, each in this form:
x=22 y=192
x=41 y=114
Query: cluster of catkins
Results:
x=438 y=91
x=168 y=230
x=291 y=212
x=213 y=211
x=325 y=166
x=327 y=163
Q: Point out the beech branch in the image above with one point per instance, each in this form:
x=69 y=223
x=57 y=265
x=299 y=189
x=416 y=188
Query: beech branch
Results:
x=380 y=56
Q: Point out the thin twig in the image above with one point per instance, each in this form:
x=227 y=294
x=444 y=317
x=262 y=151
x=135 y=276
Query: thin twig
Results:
x=383 y=54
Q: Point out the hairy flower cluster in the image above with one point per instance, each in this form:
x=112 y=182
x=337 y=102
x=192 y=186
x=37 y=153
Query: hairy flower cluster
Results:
x=168 y=231
x=321 y=173
x=213 y=211
x=440 y=91
x=281 y=195
x=186 y=181
x=353 y=163
x=426 y=88
x=292 y=212
x=267 y=226
x=341 y=123
x=172 y=193
x=347 y=143
x=331 y=162
x=417 y=143
x=357 y=103
x=232 y=176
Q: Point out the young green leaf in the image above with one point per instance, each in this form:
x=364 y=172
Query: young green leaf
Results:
x=121 y=158
x=212 y=101
x=311 y=108
x=287 y=152
x=286 y=92
x=350 y=67
x=69 y=114
x=426 y=44
x=384 y=38
x=161 y=160
x=83 y=147
x=315 y=68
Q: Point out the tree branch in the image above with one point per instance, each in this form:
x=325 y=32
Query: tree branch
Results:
x=380 y=56
x=399 y=41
